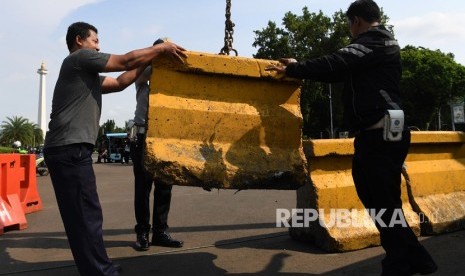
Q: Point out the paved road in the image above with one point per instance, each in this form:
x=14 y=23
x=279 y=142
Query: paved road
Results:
x=225 y=233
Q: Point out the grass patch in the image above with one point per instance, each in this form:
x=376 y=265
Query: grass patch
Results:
x=6 y=150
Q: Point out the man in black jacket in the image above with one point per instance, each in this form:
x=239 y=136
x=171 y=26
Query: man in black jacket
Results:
x=370 y=68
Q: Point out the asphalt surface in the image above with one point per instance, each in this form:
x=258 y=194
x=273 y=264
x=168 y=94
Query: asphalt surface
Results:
x=225 y=232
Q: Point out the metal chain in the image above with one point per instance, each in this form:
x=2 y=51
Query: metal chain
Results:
x=228 y=32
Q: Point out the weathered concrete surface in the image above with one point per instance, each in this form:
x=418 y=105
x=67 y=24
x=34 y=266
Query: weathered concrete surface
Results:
x=332 y=189
x=436 y=168
x=433 y=190
x=224 y=122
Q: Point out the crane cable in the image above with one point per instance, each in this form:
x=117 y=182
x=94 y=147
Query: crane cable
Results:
x=228 y=32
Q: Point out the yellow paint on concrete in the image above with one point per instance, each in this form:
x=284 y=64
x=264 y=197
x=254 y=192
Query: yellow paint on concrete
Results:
x=224 y=122
x=333 y=189
x=221 y=121
x=433 y=189
x=437 y=137
x=436 y=168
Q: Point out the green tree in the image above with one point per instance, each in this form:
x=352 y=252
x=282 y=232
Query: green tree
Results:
x=430 y=81
x=38 y=135
x=303 y=37
x=108 y=127
x=20 y=129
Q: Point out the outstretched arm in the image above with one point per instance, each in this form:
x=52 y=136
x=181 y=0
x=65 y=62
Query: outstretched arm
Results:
x=135 y=62
x=137 y=58
x=111 y=85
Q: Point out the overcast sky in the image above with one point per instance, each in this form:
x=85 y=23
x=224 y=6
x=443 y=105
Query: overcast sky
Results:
x=34 y=31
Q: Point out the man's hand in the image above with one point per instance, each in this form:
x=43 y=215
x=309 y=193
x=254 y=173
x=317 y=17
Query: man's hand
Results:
x=281 y=69
x=286 y=61
x=173 y=51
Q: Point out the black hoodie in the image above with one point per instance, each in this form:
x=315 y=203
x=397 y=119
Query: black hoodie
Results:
x=370 y=68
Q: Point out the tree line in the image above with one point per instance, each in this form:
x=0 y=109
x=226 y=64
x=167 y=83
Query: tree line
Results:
x=431 y=79
x=29 y=134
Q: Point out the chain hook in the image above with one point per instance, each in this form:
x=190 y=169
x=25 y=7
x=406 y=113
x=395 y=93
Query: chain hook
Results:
x=228 y=32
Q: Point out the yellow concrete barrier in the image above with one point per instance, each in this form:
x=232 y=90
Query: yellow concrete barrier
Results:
x=332 y=190
x=224 y=122
x=436 y=172
x=433 y=190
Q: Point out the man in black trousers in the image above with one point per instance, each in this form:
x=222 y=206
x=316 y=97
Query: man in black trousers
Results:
x=370 y=68
x=143 y=181
x=73 y=130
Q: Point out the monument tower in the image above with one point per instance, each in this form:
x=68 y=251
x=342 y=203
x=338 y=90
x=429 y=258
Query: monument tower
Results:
x=41 y=120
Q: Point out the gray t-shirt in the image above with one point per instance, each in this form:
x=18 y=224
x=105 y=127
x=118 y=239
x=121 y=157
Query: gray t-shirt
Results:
x=142 y=96
x=77 y=99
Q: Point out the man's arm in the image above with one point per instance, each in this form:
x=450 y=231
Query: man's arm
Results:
x=135 y=62
x=110 y=84
x=145 y=76
x=137 y=58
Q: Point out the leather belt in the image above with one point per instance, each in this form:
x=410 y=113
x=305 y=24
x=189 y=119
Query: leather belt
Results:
x=140 y=129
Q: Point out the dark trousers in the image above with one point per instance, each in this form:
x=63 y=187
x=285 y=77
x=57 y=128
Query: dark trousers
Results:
x=376 y=170
x=73 y=180
x=143 y=187
x=125 y=157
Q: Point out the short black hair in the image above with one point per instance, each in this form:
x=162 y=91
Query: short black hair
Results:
x=78 y=29
x=366 y=9
x=159 y=41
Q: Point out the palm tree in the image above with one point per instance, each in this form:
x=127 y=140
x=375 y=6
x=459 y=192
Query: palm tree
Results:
x=38 y=135
x=20 y=129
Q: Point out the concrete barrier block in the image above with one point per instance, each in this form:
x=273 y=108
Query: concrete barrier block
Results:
x=436 y=168
x=332 y=188
x=224 y=122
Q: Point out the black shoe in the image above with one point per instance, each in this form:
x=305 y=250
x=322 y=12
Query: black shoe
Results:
x=142 y=243
x=425 y=268
x=421 y=261
x=164 y=239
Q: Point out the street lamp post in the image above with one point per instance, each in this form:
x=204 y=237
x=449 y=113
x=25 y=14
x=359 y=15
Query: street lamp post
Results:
x=331 y=112
x=439 y=118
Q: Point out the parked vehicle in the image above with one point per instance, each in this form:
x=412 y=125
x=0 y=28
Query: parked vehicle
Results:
x=116 y=143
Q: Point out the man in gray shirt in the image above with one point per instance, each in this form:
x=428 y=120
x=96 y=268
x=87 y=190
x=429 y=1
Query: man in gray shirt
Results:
x=73 y=130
